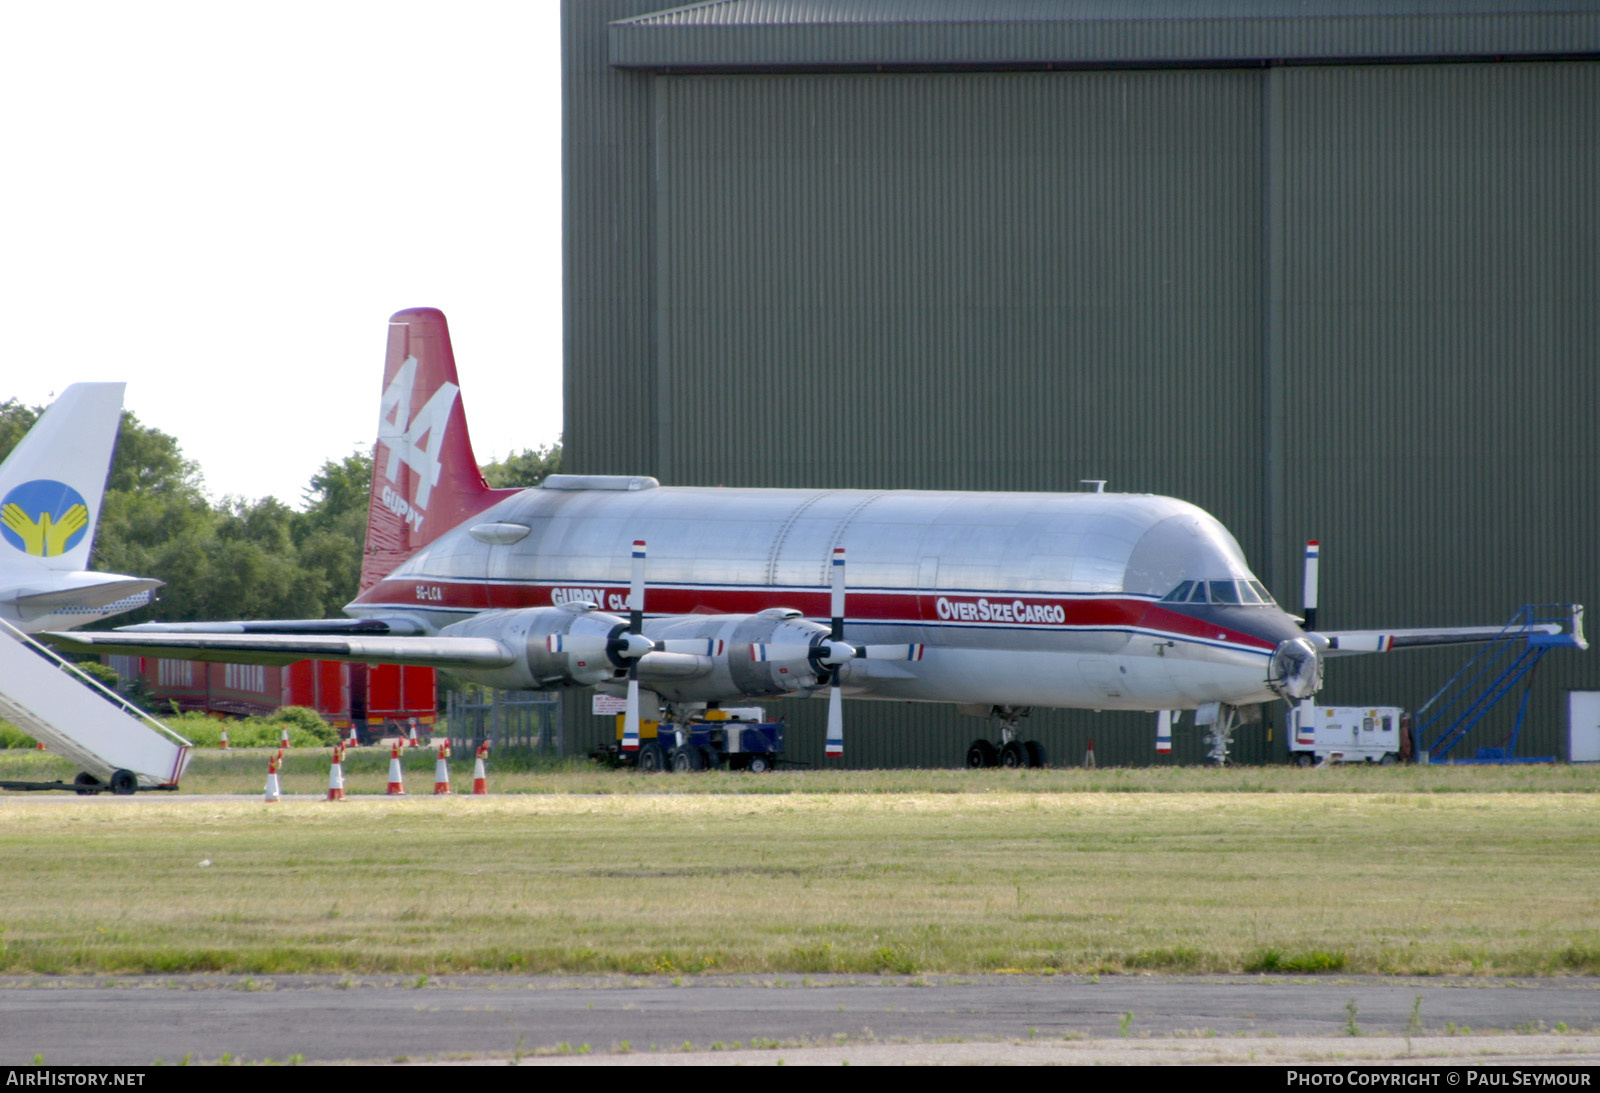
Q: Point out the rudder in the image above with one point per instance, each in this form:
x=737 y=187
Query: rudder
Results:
x=425 y=479
x=52 y=483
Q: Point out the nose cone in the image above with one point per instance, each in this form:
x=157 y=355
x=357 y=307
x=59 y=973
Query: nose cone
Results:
x=1295 y=670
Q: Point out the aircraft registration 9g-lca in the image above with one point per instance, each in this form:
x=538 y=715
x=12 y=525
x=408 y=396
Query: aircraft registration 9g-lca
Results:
x=996 y=602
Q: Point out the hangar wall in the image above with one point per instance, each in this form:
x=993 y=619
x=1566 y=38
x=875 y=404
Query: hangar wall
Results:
x=1350 y=301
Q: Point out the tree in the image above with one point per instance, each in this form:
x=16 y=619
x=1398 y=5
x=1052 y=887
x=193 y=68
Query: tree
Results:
x=526 y=468
x=15 y=421
x=330 y=533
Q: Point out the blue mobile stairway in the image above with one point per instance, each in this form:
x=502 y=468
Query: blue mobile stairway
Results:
x=1504 y=662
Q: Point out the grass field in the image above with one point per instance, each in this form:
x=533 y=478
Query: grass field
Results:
x=571 y=869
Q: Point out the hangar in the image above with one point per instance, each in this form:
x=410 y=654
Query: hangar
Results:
x=1329 y=271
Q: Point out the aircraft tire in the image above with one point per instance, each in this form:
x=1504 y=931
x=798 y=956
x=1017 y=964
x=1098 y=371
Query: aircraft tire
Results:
x=686 y=759
x=982 y=754
x=124 y=783
x=1014 y=755
x=1036 y=754
x=88 y=785
x=652 y=757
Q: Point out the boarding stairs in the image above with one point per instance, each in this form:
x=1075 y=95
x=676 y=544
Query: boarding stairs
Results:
x=117 y=744
x=1492 y=673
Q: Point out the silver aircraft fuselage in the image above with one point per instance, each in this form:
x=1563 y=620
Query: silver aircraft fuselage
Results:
x=1088 y=600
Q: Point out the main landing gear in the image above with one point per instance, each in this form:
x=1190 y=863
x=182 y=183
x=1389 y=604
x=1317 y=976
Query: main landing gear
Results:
x=1011 y=751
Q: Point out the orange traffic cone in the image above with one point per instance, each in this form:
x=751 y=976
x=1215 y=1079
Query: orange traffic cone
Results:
x=40 y=743
x=273 y=792
x=354 y=741
x=480 y=781
x=283 y=738
x=224 y=745
x=1088 y=756
x=411 y=740
x=396 y=779
x=441 y=774
x=336 y=775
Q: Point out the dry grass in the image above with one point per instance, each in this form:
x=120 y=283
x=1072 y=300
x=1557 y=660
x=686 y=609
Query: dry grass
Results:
x=784 y=880
x=243 y=771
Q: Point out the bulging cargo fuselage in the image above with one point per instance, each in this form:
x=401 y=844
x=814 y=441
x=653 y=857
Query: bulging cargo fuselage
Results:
x=1099 y=600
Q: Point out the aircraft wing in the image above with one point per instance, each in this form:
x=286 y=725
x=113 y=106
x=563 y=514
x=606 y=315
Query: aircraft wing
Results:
x=1561 y=626
x=392 y=627
x=250 y=648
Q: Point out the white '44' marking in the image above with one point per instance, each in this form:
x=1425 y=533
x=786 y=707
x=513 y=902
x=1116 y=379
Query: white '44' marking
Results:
x=417 y=441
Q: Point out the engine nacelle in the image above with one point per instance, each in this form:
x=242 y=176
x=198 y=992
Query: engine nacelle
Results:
x=734 y=674
x=526 y=632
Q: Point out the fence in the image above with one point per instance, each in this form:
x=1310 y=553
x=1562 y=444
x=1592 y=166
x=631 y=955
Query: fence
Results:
x=517 y=719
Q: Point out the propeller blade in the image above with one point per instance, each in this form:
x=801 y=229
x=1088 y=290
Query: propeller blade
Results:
x=834 y=748
x=836 y=606
x=890 y=652
x=630 y=716
x=1313 y=556
x=583 y=645
x=636 y=589
x=700 y=647
x=779 y=651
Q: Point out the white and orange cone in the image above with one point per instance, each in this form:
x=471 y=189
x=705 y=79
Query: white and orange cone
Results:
x=336 y=774
x=224 y=745
x=396 y=779
x=273 y=791
x=1088 y=756
x=40 y=744
x=411 y=739
x=283 y=739
x=441 y=773
x=354 y=741
x=480 y=780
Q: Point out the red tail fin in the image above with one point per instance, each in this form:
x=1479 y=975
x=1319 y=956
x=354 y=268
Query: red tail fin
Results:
x=425 y=479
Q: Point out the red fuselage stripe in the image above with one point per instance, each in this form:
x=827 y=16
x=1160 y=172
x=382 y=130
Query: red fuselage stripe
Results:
x=865 y=607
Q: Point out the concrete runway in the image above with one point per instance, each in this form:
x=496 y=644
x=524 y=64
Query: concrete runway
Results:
x=825 y=1019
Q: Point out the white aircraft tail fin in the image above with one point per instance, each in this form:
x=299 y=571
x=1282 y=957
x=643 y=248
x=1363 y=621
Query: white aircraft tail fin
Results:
x=52 y=483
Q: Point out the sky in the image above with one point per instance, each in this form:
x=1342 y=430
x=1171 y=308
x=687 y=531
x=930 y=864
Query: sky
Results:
x=221 y=204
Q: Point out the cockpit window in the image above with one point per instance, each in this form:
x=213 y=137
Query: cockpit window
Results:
x=1179 y=594
x=1246 y=593
x=1224 y=592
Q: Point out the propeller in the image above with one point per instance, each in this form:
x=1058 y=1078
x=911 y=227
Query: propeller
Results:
x=835 y=657
x=832 y=654
x=627 y=645
x=637 y=645
x=1295 y=670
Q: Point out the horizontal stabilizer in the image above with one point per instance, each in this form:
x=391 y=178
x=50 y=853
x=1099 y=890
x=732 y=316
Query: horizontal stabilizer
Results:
x=96 y=596
x=438 y=652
